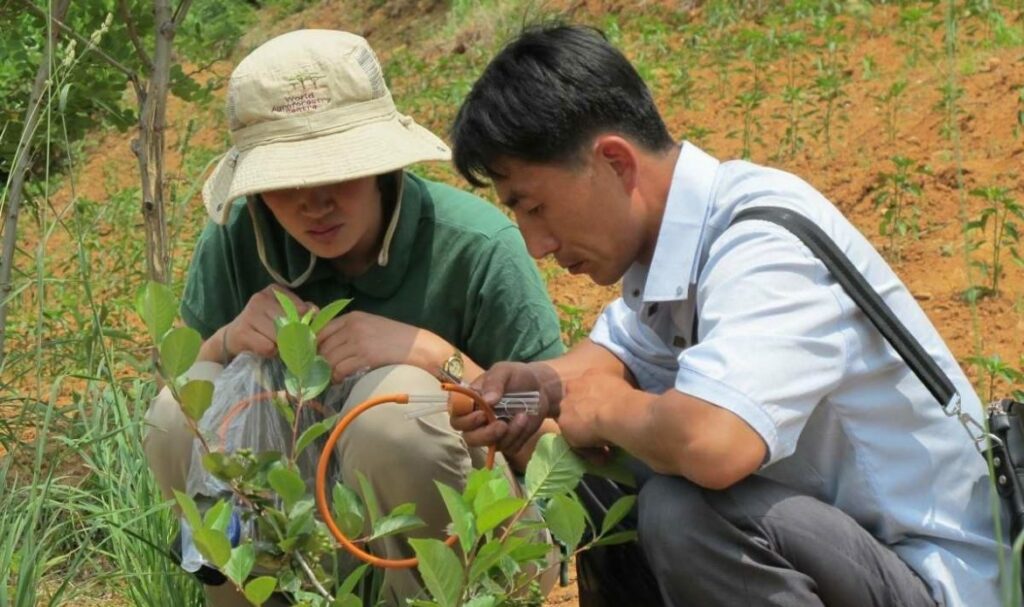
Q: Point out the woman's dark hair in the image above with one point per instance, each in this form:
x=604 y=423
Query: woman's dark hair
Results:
x=546 y=95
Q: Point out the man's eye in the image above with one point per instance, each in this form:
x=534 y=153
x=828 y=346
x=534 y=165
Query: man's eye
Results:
x=535 y=210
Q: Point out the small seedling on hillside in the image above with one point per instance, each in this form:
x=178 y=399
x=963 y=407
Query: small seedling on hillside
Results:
x=912 y=21
x=996 y=225
x=831 y=79
x=897 y=194
x=794 y=95
x=759 y=49
x=995 y=370
x=571 y=321
x=891 y=102
x=950 y=105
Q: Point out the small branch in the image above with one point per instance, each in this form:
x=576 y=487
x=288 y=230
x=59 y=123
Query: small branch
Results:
x=133 y=34
x=84 y=41
x=180 y=12
x=312 y=577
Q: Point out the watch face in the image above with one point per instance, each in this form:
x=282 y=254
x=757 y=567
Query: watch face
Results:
x=454 y=366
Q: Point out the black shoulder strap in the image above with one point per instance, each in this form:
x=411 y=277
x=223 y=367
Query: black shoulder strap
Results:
x=923 y=366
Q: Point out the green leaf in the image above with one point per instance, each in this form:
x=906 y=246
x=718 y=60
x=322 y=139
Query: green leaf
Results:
x=327 y=314
x=62 y=104
x=218 y=516
x=178 y=350
x=353 y=578
x=617 y=512
x=622 y=537
x=482 y=601
x=259 y=590
x=347 y=600
x=566 y=519
x=554 y=469
x=240 y=566
x=189 y=509
x=348 y=510
x=477 y=479
x=288 y=306
x=318 y=376
x=297 y=347
x=489 y=555
x=213 y=545
x=492 y=491
x=223 y=466
x=285 y=409
x=308 y=436
x=497 y=512
x=463 y=524
x=196 y=397
x=531 y=551
x=392 y=524
x=155 y=304
x=440 y=570
x=369 y=498
x=288 y=484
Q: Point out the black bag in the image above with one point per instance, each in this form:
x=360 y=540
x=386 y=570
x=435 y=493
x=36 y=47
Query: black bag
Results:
x=1002 y=443
x=1006 y=423
x=618 y=575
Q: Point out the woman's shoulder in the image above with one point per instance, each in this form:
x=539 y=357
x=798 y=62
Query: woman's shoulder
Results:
x=461 y=211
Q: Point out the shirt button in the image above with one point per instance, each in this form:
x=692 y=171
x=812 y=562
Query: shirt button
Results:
x=679 y=290
x=636 y=292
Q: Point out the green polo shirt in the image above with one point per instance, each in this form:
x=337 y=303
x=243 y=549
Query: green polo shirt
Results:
x=456 y=267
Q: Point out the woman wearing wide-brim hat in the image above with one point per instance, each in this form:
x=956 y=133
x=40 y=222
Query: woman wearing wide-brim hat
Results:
x=313 y=200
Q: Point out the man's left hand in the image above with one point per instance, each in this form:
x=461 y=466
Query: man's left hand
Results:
x=582 y=404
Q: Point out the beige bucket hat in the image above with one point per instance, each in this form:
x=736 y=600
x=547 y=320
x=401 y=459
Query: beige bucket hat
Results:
x=308 y=108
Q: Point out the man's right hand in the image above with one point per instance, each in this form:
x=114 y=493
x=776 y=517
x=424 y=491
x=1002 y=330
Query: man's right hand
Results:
x=253 y=330
x=500 y=379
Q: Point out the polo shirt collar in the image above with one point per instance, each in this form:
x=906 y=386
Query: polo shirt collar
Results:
x=676 y=256
x=383 y=278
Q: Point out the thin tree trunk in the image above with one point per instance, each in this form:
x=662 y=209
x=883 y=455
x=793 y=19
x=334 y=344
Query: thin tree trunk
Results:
x=20 y=169
x=149 y=146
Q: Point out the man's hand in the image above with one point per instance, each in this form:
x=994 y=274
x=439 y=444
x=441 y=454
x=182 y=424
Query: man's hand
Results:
x=512 y=435
x=584 y=398
x=358 y=340
x=253 y=330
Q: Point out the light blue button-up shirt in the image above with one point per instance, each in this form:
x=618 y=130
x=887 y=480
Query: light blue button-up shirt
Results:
x=782 y=346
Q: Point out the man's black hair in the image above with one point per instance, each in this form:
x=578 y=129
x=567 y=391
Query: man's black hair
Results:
x=547 y=94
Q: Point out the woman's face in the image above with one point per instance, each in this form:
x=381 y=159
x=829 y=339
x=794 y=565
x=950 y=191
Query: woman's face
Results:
x=338 y=220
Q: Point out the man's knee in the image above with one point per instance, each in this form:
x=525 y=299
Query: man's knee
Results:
x=670 y=512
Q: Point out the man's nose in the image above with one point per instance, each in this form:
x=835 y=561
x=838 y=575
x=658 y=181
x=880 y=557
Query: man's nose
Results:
x=539 y=243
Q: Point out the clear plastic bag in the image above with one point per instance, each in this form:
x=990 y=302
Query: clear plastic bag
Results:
x=243 y=415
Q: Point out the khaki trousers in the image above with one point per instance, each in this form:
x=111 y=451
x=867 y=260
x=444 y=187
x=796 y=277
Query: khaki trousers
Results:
x=400 y=457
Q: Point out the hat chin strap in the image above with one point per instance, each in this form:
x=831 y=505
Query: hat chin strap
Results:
x=261 y=251
x=382 y=257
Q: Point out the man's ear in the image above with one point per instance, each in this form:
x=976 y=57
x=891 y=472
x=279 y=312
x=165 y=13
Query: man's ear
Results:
x=620 y=156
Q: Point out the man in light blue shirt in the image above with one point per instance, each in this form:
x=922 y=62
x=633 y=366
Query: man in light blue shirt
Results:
x=795 y=459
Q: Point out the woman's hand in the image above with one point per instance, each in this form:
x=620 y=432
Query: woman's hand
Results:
x=358 y=340
x=253 y=330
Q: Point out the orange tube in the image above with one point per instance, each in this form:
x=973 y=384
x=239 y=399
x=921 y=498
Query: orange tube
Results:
x=325 y=459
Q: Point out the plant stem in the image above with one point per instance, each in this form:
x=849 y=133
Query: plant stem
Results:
x=17 y=189
x=312 y=576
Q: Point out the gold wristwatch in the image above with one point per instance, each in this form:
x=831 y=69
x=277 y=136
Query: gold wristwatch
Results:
x=454 y=367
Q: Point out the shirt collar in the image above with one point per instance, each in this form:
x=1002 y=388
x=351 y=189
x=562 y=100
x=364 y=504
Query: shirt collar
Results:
x=680 y=238
x=380 y=281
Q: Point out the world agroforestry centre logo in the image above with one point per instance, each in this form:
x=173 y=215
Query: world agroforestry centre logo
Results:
x=307 y=94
